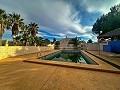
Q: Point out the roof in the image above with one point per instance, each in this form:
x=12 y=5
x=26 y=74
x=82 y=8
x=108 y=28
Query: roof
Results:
x=113 y=33
x=66 y=39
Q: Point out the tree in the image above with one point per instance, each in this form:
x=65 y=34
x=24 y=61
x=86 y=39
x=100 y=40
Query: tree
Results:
x=3 y=23
x=25 y=35
x=74 y=41
x=33 y=29
x=89 y=41
x=54 y=40
x=22 y=34
x=18 y=40
x=47 y=41
x=39 y=41
x=16 y=24
x=57 y=43
x=108 y=22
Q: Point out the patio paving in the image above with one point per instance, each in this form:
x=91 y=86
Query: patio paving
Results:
x=18 y=75
x=112 y=57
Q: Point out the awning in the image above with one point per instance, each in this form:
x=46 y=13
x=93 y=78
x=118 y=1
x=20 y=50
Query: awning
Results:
x=114 y=33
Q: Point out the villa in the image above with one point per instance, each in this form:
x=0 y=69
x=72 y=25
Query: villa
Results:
x=64 y=43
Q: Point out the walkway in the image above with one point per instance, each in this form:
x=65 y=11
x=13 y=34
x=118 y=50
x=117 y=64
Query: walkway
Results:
x=108 y=56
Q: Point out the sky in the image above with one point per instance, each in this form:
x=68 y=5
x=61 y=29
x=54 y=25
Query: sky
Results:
x=59 y=18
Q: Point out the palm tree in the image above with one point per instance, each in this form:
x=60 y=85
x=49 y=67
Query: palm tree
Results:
x=25 y=37
x=39 y=41
x=75 y=41
x=18 y=40
x=33 y=29
x=3 y=23
x=16 y=24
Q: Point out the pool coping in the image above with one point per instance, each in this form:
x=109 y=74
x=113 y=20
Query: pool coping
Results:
x=99 y=61
x=105 y=60
x=71 y=65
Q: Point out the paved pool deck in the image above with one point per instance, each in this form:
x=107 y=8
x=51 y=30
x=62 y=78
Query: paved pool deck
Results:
x=18 y=75
x=112 y=57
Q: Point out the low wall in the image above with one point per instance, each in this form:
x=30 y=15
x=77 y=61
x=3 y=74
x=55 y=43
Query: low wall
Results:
x=95 y=46
x=10 y=51
x=113 y=46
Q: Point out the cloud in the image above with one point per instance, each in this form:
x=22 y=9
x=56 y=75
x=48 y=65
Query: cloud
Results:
x=59 y=17
x=101 y=6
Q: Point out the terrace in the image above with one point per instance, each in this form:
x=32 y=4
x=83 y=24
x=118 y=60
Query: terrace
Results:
x=39 y=74
x=30 y=60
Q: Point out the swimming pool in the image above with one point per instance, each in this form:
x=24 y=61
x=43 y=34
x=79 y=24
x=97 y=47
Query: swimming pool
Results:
x=74 y=56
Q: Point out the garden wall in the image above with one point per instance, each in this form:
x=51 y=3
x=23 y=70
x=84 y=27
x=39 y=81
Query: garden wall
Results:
x=95 y=46
x=10 y=51
x=113 y=46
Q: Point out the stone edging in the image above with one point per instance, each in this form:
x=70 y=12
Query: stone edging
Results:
x=107 y=61
x=71 y=66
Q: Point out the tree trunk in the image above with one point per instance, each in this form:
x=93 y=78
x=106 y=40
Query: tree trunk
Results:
x=0 y=35
x=0 y=41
